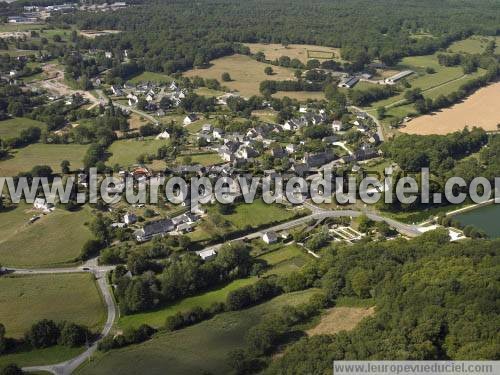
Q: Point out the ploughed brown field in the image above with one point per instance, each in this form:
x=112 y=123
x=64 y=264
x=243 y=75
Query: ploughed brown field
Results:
x=481 y=109
x=340 y=319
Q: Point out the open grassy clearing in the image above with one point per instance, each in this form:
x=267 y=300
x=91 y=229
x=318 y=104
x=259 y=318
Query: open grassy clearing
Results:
x=150 y=77
x=193 y=350
x=157 y=318
x=302 y=52
x=245 y=215
x=203 y=91
x=475 y=44
x=423 y=80
x=9 y=27
x=205 y=159
x=126 y=151
x=12 y=127
x=55 y=238
x=54 y=354
x=25 y=300
x=480 y=109
x=23 y=159
x=301 y=96
x=245 y=72
x=340 y=319
x=267 y=115
x=135 y=121
x=282 y=260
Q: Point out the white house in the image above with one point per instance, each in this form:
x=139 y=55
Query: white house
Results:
x=108 y=54
x=206 y=128
x=270 y=237
x=207 y=254
x=163 y=135
x=42 y=204
x=129 y=218
x=337 y=126
x=189 y=119
x=291 y=148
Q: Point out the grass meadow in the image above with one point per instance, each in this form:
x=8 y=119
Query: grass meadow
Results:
x=246 y=73
x=125 y=152
x=60 y=297
x=23 y=159
x=55 y=239
x=198 y=349
x=12 y=127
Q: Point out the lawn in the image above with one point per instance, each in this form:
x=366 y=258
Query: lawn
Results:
x=423 y=80
x=157 y=318
x=475 y=44
x=9 y=27
x=302 y=52
x=266 y=115
x=125 y=152
x=25 y=300
x=301 y=96
x=203 y=91
x=208 y=158
x=54 y=239
x=246 y=73
x=255 y=214
x=258 y=213
x=198 y=349
x=12 y=127
x=54 y=354
x=23 y=159
x=150 y=77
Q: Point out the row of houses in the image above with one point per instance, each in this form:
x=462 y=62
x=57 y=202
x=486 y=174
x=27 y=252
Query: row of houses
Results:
x=180 y=224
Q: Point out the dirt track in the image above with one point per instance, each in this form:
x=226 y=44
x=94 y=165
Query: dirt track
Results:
x=481 y=109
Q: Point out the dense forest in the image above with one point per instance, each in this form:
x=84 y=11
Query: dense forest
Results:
x=171 y=36
x=435 y=300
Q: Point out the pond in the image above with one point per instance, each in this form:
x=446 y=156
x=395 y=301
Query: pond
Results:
x=486 y=218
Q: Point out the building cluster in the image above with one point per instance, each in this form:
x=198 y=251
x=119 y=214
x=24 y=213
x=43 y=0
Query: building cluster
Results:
x=152 y=93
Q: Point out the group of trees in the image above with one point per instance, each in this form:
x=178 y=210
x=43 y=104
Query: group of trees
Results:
x=182 y=276
x=438 y=152
x=426 y=290
x=46 y=333
x=367 y=96
x=360 y=32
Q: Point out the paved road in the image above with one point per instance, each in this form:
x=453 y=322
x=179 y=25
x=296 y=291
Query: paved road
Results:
x=67 y=367
x=320 y=214
x=380 y=130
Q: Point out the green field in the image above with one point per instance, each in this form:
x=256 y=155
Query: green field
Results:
x=7 y=27
x=157 y=318
x=125 y=152
x=203 y=91
x=25 y=300
x=205 y=159
x=54 y=354
x=198 y=349
x=282 y=260
x=12 y=127
x=56 y=238
x=475 y=44
x=150 y=77
x=23 y=159
x=256 y=214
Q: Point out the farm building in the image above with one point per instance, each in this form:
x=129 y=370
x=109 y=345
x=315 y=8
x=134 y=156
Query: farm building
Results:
x=348 y=82
x=395 y=78
x=154 y=228
x=270 y=237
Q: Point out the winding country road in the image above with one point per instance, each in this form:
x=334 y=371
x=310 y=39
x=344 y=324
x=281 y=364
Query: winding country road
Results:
x=67 y=367
x=91 y=266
